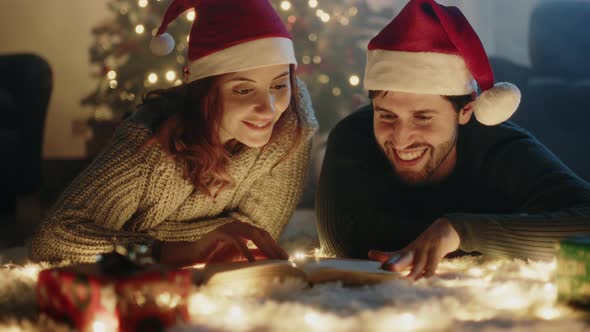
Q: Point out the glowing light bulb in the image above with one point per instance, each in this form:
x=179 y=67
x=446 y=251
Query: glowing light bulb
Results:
x=235 y=311
x=170 y=76
x=325 y=17
x=324 y=79
x=407 y=321
x=164 y=299
x=31 y=271
x=99 y=326
x=344 y=20
x=548 y=313
x=152 y=78
x=285 y=5
x=352 y=11
x=113 y=84
x=190 y=15
x=311 y=318
x=299 y=255
x=476 y=272
x=142 y=3
x=201 y=304
x=139 y=29
x=317 y=59
x=312 y=37
x=112 y=74
x=354 y=80
x=336 y=91
x=306 y=60
x=313 y=3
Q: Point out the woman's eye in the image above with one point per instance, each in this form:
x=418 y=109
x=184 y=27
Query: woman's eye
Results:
x=279 y=86
x=243 y=91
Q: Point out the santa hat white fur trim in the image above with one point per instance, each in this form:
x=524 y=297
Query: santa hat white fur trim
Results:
x=497 y=104
x=248 y=55
x=441 y=74
x=418 y=72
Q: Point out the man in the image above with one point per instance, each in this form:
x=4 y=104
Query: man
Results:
x=412 y=177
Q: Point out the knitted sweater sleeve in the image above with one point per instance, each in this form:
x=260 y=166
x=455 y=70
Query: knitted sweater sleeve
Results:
x=554 y=203
x=91 y=214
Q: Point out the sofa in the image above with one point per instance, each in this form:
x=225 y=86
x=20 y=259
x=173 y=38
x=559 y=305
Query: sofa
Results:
x=25 y=89
x=555 y=105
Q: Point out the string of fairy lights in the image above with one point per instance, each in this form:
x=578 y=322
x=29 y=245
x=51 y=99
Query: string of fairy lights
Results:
x=481 y=292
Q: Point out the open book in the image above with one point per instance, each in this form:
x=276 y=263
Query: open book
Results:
x=351 y=272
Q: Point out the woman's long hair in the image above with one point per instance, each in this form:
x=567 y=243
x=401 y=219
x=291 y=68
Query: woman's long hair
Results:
x=191 y=136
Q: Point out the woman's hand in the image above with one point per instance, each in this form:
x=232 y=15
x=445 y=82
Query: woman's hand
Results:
x=424 y=254
x=226 y=243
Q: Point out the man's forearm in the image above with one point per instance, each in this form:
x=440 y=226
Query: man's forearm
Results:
x=520 y=235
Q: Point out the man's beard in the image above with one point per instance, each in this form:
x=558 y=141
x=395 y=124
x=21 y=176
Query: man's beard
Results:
x=436 y=156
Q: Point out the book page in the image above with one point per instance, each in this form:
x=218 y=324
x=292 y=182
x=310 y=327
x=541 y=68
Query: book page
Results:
x=246 y=278
x=359 y=265
x=347 y=271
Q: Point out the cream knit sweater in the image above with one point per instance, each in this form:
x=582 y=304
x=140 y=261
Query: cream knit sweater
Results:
x=130 y=195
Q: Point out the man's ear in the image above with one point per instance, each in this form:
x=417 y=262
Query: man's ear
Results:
x=466 y=112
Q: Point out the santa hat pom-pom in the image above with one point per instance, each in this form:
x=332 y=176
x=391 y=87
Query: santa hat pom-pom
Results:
x=497 y=104
x=162 y=44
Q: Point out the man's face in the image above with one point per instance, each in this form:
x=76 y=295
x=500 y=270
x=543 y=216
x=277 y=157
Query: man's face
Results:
x=418 y=134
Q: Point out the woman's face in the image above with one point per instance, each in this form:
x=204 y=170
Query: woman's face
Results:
x=252 y=101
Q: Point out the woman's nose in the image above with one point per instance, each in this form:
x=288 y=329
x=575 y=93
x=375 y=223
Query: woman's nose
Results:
x=267 y=104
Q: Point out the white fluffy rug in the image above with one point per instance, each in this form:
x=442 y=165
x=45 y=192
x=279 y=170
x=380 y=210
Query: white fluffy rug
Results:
x=468 y=294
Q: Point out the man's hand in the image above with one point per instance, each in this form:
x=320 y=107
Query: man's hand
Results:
x=424 y=254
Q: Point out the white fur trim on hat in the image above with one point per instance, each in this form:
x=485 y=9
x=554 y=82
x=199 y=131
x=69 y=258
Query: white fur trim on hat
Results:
x=418 y=72
x=497 y=104
x=248 y=55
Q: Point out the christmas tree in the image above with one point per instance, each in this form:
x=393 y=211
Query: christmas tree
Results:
x=330 y=40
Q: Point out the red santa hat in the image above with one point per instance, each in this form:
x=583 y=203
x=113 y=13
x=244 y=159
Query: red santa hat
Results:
x=228 y=36
x=432 y=49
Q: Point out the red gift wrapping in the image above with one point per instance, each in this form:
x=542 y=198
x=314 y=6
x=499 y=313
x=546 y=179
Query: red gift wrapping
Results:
x=88 y=299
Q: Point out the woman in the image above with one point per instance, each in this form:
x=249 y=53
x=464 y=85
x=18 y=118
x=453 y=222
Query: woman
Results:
x=202 y=168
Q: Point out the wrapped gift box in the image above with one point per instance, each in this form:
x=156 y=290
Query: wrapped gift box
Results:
x=123 y=297
x=573 y=270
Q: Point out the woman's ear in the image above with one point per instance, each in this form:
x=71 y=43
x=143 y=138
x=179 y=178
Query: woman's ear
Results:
x=466 y=112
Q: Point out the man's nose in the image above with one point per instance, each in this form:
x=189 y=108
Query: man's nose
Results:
x=403 y=135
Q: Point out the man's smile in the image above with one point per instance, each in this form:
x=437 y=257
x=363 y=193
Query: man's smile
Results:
x=409 y=158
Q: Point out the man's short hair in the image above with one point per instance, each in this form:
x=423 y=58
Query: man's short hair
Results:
x=458 y=102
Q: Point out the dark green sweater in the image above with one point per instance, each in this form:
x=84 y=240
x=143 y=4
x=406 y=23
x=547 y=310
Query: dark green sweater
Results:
x=508 y=196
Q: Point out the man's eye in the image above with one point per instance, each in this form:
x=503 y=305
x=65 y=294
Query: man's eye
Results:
x=279 y=86
x=243 y=91
x=386 y=116
x=423 y=118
